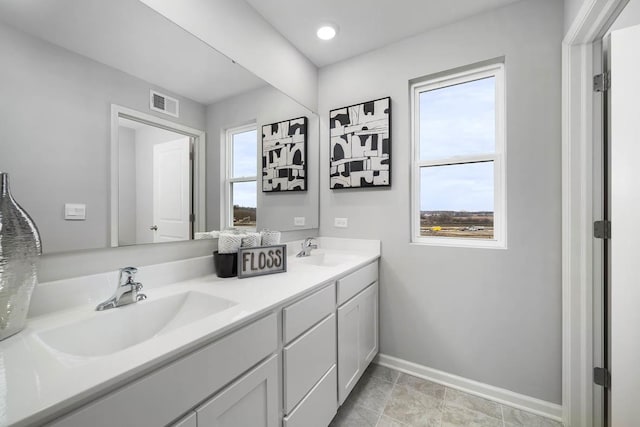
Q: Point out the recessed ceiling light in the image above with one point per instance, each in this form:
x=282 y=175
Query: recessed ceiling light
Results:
x=326 y=32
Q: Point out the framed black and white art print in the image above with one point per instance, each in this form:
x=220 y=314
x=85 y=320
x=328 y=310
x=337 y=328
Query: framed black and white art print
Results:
x=284 y=156
x=360 y=147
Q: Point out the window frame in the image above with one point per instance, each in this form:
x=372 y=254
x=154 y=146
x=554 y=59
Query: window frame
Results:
x=498 y=157
x=229 y=180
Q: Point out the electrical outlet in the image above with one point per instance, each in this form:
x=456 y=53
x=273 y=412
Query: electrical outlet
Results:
x=341 y=222
x=299 y=221
x=75 y=211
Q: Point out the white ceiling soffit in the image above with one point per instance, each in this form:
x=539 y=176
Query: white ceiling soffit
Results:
x=131 y=37
x=364 y=25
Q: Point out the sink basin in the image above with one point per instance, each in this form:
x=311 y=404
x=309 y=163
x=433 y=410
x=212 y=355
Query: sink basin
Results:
x=114 y=330
x=323 y=259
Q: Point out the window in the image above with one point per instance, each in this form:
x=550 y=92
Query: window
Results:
x=240 y=182
x=458 y=179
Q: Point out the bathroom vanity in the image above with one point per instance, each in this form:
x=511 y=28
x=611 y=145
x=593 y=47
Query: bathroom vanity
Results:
x=284 y=349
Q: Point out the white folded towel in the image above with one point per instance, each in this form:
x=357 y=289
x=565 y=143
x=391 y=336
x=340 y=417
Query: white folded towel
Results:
x=229 y=243
x=251 y=240
x=270 y=237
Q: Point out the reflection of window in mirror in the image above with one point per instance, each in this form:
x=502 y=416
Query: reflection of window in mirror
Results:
x=241 y=199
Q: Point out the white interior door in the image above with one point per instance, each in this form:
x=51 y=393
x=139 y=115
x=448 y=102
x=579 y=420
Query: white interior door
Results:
x=625 y=227
x=171 y=191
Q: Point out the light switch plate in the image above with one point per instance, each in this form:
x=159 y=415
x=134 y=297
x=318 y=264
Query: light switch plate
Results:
x=299 y=221
x=75 y=211
x=341 y=222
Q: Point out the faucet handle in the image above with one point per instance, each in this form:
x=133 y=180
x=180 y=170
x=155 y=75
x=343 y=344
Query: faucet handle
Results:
x=129 y=270
x=126 y=275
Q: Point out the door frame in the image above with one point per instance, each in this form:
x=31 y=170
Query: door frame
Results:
x=199 y=165
x=581 y=122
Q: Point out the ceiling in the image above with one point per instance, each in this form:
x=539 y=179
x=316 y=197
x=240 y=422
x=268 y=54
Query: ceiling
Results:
x=364 y=25
x=129 y=36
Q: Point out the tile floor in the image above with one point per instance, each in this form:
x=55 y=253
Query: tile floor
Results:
x=387 y=398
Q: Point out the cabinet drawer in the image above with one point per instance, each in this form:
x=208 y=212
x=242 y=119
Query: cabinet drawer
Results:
x=307 y=359
x=350 y=285
x=302 y=315
x=165 y=394
x=318 y=407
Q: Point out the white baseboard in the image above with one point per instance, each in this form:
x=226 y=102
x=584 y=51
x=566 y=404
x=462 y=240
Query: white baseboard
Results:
x=500 y=395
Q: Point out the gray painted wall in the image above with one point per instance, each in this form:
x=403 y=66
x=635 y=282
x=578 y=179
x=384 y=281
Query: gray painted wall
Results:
x=490 y=315
x=68 y=98
x=263 y=106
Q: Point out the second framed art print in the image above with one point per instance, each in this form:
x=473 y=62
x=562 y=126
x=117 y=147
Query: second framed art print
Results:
x=360 y=146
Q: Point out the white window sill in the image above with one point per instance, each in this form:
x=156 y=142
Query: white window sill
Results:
x=459 y=243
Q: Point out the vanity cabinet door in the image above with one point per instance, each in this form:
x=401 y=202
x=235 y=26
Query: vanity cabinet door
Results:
x=357 y=338
x=250 y=401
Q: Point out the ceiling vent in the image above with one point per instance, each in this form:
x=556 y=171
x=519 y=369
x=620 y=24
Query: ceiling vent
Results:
x=164 y=104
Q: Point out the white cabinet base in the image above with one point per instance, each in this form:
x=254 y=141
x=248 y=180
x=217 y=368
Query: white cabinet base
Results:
x=357 y=338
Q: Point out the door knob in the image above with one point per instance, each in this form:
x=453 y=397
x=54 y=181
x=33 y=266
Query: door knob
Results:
x=153 y=228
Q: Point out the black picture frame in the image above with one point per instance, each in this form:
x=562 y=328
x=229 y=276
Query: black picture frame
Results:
x=284 y=155
x=249 y=266
x=366 y=128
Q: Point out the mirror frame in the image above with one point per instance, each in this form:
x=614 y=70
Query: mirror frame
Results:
x=199 y=166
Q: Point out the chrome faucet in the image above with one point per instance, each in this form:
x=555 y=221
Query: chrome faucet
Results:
x=307 y=246
x=126 y=292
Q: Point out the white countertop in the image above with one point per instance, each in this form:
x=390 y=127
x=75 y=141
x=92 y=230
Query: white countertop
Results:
x=38 y=382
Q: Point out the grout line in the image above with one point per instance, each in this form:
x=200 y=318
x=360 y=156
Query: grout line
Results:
x=386 y=402
x=383 y=407
x=504 y=423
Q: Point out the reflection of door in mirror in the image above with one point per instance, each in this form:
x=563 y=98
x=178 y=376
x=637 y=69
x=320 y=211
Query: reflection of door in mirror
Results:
x=171 y=191
x=154 y=184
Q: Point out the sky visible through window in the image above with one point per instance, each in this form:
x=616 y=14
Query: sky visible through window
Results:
x=245 y=157
x=458 y=121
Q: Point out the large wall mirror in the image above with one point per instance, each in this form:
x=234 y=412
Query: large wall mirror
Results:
x=121 y=128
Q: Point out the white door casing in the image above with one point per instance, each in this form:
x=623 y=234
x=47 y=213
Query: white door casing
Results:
x=171 y=191
x=625 y=232
x=578 y=115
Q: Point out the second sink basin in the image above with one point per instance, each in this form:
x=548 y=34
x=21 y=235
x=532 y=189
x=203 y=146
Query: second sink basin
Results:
x=114 y=330
x=323 y=259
